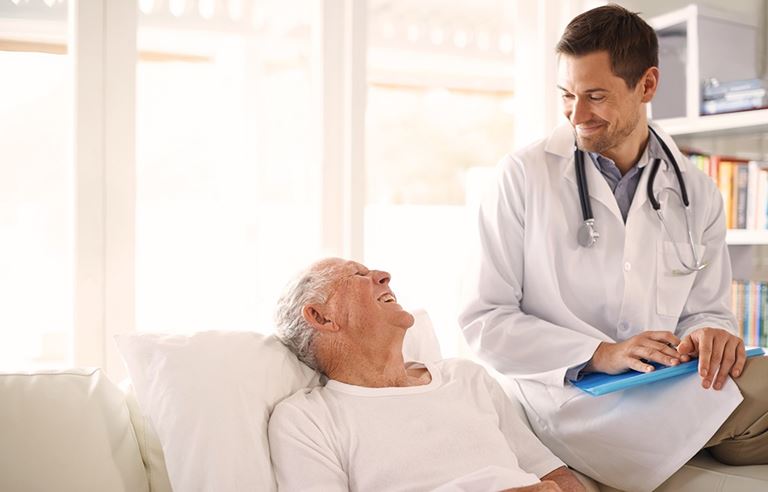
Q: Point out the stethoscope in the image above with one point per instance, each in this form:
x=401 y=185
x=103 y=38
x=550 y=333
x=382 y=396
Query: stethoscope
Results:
x=587 y=235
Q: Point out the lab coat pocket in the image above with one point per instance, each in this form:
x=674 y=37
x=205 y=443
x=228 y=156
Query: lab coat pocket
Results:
x=673 y=282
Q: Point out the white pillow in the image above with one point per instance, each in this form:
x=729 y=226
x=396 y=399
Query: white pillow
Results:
x=209 y=397
x=220 y=443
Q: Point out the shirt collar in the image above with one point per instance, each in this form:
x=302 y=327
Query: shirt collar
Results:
x=652 y=151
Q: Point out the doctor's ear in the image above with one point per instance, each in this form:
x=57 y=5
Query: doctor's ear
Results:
x=649 y=82
x=313 y=314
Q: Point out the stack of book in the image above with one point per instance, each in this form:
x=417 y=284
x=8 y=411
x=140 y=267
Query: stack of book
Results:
x=750 y=305
x=738 y=95
x=744 y=186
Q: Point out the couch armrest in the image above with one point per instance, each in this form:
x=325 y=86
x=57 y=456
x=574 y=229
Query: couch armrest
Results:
x=67 y=431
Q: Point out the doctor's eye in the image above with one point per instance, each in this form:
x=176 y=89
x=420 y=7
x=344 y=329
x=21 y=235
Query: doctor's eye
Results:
x=596 y=98
x=565 y=95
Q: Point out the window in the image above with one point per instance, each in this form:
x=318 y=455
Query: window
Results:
x=36 y=186
x=439 y=113
x=228 y=184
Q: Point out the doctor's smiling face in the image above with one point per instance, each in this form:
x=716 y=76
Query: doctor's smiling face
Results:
x=606 y=114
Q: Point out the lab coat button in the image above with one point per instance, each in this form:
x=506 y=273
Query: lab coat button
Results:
x=627 y=266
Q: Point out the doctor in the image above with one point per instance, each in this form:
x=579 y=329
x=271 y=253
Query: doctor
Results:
x=579 y=272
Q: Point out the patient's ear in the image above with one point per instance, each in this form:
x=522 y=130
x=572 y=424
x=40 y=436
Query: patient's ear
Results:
x=313 y=314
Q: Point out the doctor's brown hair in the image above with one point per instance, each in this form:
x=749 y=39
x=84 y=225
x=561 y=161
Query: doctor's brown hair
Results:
x=630 y=42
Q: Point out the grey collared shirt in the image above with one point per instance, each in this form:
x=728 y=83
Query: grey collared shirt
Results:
x=624 y=187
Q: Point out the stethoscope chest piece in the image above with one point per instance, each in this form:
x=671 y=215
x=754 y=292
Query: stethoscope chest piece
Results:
x=587 y=235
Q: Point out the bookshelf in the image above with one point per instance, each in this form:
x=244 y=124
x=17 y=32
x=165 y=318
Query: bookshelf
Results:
x=697 y=43
x=718 y=125
x=691 y=49
x=742 y=237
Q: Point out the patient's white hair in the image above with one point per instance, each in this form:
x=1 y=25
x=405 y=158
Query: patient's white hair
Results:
x=309 y=287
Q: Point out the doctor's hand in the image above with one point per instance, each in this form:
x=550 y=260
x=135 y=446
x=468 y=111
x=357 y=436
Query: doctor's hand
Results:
x=654 y=346
x=720 y=353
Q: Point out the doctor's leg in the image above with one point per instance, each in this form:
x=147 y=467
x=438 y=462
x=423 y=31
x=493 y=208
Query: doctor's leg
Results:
x=743 y=437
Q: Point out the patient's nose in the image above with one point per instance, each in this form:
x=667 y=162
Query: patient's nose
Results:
x=381 y=277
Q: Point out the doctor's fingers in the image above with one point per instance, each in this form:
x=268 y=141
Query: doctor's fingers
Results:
x=741 y=358
x=656 y=351
x=733 y=360
x=637 y=364
x=662 y=336
x=711 y=347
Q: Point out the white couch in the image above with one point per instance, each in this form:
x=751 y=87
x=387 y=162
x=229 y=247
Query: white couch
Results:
x=76 y=431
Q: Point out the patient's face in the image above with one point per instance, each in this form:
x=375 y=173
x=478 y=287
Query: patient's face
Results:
x=362 y=302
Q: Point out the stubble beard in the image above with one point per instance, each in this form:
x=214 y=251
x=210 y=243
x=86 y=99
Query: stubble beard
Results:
x=606 y=141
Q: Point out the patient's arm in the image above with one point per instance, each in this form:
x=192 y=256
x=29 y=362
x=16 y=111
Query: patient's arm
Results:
x=565 y=479
x=302 y=458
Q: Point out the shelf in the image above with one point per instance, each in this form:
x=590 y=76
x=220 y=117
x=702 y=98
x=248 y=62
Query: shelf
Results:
x=746 y=237
x=729 y=123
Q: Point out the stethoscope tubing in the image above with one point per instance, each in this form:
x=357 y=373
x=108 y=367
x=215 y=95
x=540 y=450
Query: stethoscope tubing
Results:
x=581 y=179
x=588 y=235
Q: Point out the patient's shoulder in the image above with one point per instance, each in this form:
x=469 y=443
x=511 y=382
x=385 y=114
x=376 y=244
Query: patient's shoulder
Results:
x=305 y=400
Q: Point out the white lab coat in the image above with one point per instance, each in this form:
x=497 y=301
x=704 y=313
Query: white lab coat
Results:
x=538 y=304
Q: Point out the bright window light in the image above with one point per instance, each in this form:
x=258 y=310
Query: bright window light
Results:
x=36 y=211
x=228 y=183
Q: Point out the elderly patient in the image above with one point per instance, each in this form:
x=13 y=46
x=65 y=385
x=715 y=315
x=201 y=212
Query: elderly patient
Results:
x=380 y=423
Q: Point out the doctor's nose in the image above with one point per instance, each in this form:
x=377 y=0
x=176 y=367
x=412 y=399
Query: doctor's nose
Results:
x=579 y=112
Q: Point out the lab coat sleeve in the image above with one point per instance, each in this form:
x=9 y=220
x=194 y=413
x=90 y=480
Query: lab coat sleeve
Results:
x=709 y=301
x=302 y=458
x=514 y=343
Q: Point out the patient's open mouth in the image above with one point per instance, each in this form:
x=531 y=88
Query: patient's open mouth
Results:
x=387 y=297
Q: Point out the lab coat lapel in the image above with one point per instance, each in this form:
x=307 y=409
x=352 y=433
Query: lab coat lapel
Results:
x=561 y=143
x=665 y=177
x=599 y=189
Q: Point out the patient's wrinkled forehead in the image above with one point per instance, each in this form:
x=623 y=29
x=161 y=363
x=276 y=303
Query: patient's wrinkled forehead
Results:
x=328 y=265
x=337 y=267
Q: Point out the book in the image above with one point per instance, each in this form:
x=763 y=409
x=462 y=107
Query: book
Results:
x=763 y=311
x=743 y=184
x=724 y=183
x=751 y=205
x=714 y=89
x=718 y=106
x=597 y=384
x=741 y=180
x=761 y=205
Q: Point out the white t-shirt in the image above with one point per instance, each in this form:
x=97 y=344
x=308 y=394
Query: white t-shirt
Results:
x=459 y=432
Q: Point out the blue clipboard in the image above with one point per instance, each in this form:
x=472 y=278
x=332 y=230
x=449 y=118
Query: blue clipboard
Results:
x=598 y=383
